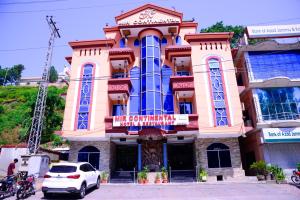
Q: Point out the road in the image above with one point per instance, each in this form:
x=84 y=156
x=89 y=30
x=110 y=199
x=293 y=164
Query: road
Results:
x=217 y=191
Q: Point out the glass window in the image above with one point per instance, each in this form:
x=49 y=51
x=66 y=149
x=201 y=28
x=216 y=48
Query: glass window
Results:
x=119 y=109
x=182 y=73
x=85 y=96
x=282 y=63
x=218 y=156
x=279 y=103
x=217 y=92
x=178 y=40
x=164 y=41
x=63 y=169
x=119 y=75
x=122 y=43
x=185 y=107
x=136 y=43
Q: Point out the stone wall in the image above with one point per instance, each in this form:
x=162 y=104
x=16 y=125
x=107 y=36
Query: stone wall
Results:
x=234 y=172
x=103 y=146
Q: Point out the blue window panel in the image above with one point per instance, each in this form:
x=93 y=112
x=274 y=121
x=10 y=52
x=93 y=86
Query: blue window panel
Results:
x=185 y=108
x=149 y=40
x=218 y=93
x=134 y=105
x=157 y=82
x=136 y=43
x=158 y=100
x=265 y=65
x=178 y=40
x=164 y=41
x=182 y=73
x=168 y=104
x=118 y=110
x=119 y=75
x=122 y=43
x=150 y=51
x=156 y=52
x=143 y=52
x=279 y=103
x=150 y=100
x=85 y=95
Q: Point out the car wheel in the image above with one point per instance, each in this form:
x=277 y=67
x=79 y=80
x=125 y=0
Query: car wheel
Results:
x=47 y=195
x=98 y=183
x=82 y=191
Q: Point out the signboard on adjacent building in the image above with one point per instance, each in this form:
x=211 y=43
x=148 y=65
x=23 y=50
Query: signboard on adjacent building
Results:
x=273 y=31
x=271 y=135
x=151 y=120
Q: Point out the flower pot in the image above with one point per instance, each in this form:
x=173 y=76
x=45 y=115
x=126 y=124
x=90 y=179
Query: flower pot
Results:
x=157 y=181
x=140 y=181
x=260 y=177
x=203 y=178
x=104 y=181
x=165 y=180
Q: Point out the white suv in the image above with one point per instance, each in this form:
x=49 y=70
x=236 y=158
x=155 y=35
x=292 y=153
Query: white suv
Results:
x=70 y=178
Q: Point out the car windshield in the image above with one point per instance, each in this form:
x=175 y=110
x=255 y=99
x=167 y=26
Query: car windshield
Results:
x=62 y=169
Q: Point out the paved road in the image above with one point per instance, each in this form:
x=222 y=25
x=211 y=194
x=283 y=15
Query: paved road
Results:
x=218 y=191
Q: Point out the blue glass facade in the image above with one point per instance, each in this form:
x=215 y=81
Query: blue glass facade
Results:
x=266 y=65
x=167 y=95
x=218 y=92
x=150 y=76
x=135 y=91
x=119 y=109
x=279 y=103
x=85 y=97
x=185 y=108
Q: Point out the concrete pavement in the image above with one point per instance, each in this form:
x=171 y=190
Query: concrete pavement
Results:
x=193 y=191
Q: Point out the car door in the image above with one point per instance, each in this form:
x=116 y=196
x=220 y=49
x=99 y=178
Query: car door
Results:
x=93 y=174
x=86 y=173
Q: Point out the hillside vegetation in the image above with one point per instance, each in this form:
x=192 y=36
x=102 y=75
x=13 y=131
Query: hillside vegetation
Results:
x=16 y=110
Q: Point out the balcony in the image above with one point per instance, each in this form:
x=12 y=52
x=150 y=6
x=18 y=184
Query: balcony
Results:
x=192 y=126
x=178 y=51
x=183 y=86
x=121 y=57
x=119 y=88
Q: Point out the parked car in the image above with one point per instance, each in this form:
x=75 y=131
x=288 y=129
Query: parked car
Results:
x=70 y=178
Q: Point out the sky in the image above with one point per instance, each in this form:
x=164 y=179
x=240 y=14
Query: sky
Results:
x=24 y=33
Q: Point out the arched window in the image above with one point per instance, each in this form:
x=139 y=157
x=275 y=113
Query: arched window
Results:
x=218 y=95
x=122 y=43
x=164 y=41
x=178 y=40
x=136 y=43
x=89 y=154
x=85 y=97
x=218 y=155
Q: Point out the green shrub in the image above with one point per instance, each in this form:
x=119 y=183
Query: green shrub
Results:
x=260 y=167
x=298 y=167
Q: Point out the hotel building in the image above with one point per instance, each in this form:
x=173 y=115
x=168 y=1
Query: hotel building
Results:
x=155 y=93
x=268 y=74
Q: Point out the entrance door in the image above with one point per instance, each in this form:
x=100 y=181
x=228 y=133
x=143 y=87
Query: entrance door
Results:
x=181 y=156
x=126 y=157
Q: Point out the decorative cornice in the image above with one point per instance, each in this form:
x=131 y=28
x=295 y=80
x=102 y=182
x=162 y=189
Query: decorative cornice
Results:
x=189 y=24
x=208 y=36
x=183 y=50
x=69 y=59
x=127 y=52
x=147 y=6
x=111 y=29
x=92 y=43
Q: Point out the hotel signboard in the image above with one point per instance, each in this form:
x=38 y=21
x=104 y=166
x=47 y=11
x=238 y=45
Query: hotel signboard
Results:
x=271 y=135
x=150 y=120
x=273 y=31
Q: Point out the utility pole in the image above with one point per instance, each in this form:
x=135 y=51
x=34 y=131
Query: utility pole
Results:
x=40 y=104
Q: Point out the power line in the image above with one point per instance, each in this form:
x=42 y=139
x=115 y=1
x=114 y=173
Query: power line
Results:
x=30 y=48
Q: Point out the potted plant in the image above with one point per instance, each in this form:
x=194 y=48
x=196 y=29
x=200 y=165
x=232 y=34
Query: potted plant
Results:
x=143 y=176
x=140 y=177
x=202 y=175
x=157 y=178
x=104 y=177
x=261 y=169
x=164 y=175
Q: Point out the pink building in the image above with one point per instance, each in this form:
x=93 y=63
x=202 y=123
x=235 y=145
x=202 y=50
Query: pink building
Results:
x=155 y=93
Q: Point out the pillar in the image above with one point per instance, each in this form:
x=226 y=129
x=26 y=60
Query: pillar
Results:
x=139 y=157
x=165 y=155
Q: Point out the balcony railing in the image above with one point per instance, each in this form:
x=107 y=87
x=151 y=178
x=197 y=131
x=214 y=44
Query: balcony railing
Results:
x=182 y=83
x=119 y=86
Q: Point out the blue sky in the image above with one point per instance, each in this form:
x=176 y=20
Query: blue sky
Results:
x=24 y=32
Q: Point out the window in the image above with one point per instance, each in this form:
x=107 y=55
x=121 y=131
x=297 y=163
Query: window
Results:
x=89 y=154
x=63 y=169
x=182 y=73
x=119 y=75
x=150 y=76
x=218 y=156
x=119 y=109
x=178 y=40
x=164 y=41
x=136 y=43
x=122 y=43
x=217 y=92
x=266 y=65
x=279 y=103
x=185 y=107
x=85 y=97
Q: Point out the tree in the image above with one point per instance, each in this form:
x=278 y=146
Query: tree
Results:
x=11 y=75
x=220 y=27
x=53 y=75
